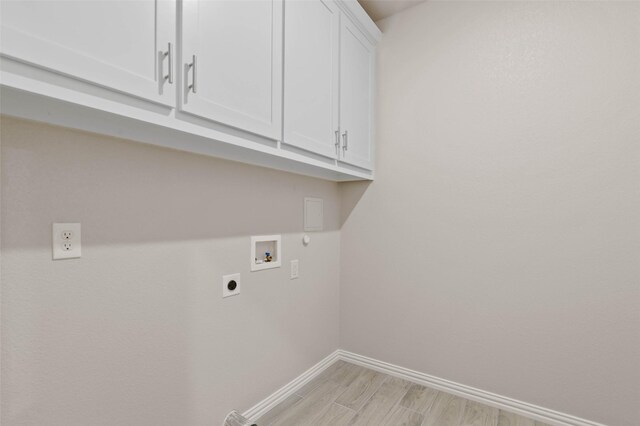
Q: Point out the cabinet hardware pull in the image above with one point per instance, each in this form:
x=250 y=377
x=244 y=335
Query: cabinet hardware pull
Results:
x=169 y=55
x=194 y=67
x=337 y=144
x=345 y=138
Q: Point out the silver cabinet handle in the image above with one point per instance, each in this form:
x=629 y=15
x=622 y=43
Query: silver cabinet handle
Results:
x=170 y=61
x=345 y=139
x=169 y=55
x=194 y=67
x=337 y=144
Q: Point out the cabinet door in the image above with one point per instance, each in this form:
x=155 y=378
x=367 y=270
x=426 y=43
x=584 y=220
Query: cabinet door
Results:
x=311 y=61
x=119 y=45
x=356 y=96
x=237 y=75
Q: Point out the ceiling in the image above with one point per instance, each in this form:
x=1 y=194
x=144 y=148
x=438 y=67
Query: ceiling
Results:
x=380 y=9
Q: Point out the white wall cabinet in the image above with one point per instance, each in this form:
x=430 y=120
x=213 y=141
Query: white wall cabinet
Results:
x=232 y=59
x=312 y=69
x=356 y=96
x=329 y=83
x=278 y=83
x=120 y=45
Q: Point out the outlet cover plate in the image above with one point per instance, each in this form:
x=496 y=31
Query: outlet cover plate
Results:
x=225 y=288
x=66 y=241
x=295 y=269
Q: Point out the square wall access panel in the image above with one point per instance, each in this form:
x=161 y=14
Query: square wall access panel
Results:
x=266 y=252
x=313 y=214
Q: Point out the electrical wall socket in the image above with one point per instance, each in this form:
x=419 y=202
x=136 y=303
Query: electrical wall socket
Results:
x=295 y=269
x=66 y=241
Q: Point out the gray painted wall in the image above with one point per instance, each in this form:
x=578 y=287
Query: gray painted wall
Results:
x=136 y=332
x=498 y=246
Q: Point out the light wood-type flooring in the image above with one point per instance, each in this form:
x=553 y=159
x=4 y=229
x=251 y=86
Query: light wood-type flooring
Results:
x=347 y=394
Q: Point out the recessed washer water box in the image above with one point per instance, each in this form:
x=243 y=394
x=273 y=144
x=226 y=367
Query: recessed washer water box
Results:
x=266 y=252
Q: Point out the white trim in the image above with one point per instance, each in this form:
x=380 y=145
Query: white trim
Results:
x=535 y=412
x=502 y=402
x=360 y=19
x=290 y=388
x=129 y=118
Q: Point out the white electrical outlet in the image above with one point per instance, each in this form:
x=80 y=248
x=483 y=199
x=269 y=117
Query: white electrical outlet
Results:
x=230 y=285
x=66 y=241
x=295 y=269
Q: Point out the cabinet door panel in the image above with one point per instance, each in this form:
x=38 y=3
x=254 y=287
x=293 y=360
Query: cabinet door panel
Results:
x=238 y=48
x=312 y=71
x=356 y=96
x=116 y=44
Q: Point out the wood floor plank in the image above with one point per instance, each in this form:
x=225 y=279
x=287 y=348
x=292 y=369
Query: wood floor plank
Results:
x=361 y=389
x=401 y=416
x=334 y=415
x=506 y=418
x=348 y=394
x=346 y=373
x=311 y=406
x=419 y=398
x=270 y=416
x=329 y=371
x=476 y=414
x=311 y=385
x=446 y=410
x=382 y=402
x=321 y=378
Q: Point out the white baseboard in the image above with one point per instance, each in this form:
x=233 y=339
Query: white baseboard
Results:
x=535 y=412
x=502 y=402
x=290 y=388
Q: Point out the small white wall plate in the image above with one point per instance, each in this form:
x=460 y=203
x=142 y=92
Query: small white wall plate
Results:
x=262 y=244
